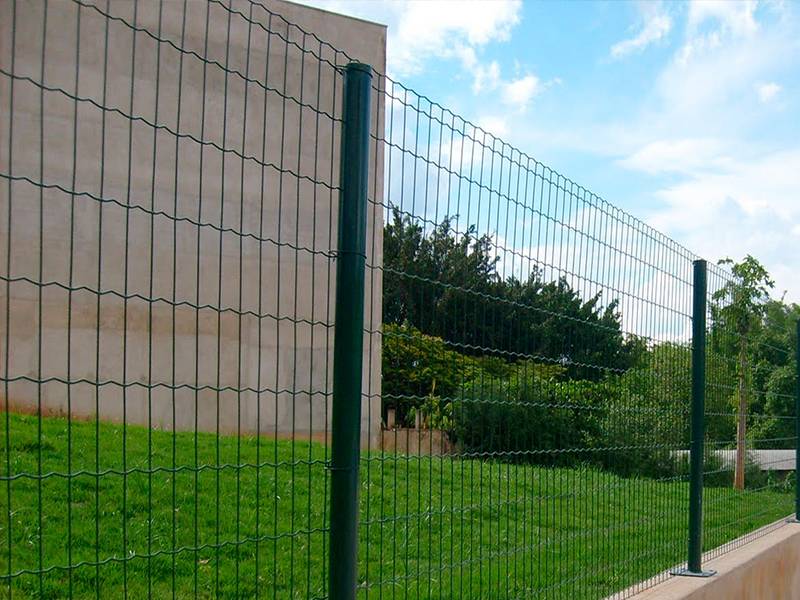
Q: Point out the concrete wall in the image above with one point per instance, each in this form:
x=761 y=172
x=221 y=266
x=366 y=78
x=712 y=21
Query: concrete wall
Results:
x=416 y=442
x=781 y=460
x=261 y=333
x=768 y=567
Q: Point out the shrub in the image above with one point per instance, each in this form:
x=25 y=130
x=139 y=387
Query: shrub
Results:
x=528 y=418
x=436 y=413
x=534 y=416
x=775 y=423
x=416 y=367
x=640 y=435
x=715 y=472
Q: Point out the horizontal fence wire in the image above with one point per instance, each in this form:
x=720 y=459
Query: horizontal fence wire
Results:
x=170 y=179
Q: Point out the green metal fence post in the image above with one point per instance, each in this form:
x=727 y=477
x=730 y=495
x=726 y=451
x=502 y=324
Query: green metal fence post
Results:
x=348 y=339
x=694 y=562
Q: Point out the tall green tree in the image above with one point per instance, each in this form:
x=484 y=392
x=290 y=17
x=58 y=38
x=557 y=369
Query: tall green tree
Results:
x=738 y=308
x=431 y=280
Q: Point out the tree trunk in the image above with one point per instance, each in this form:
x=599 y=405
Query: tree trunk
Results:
x=741 y=424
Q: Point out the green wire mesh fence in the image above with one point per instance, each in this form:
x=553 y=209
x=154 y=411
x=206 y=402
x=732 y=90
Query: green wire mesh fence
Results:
x=535 y=389
x=536 y=382
x=168 y=274
x=172 y=180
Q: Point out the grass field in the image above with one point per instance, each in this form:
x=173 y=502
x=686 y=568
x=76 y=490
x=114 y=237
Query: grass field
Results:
x=184 y=515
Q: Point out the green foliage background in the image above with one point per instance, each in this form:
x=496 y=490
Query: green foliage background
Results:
x=531 y=371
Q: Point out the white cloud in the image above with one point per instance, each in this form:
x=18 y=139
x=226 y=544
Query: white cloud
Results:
x=520 y=92
x=686 y=155
x=433 y=28
x=711 y=22
x=656 y=26
x=723 y=191
x=767 y=91
x=762 y=184
x=517 y=93
x=423 y=30
x=420 y=30
x=726 y=177
x=749 y=206
x=485 y=77
x=736 y=16
x=710 y=81
x=723 y=185
x=497 y=126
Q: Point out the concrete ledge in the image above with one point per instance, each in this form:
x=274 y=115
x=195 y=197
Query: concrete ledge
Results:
x=767 y=567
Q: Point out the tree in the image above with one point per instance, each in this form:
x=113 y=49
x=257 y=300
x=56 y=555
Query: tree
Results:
x=445 y=284
x=431 y=280
x=774 y=375
x=737 y=311
x=550 y=320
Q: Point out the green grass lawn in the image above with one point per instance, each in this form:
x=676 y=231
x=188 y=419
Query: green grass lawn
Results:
x=184 y=515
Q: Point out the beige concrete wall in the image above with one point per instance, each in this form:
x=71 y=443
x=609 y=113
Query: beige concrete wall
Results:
x=262 y=213
x=416 y=442
x=768 y=567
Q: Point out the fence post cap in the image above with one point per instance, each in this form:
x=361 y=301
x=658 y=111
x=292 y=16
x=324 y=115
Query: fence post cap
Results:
x=357 y=66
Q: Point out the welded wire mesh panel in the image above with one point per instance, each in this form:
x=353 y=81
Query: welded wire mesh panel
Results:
x=535 y=376
x=749 y=472
x=169 y=200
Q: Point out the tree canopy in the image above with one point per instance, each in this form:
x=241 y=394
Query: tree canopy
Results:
x=446 y=284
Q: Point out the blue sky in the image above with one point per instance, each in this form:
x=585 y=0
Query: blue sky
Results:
x=685 y=114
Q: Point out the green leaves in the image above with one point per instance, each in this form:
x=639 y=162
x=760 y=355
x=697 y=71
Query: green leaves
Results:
x=445 y=284
x=739 y=305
